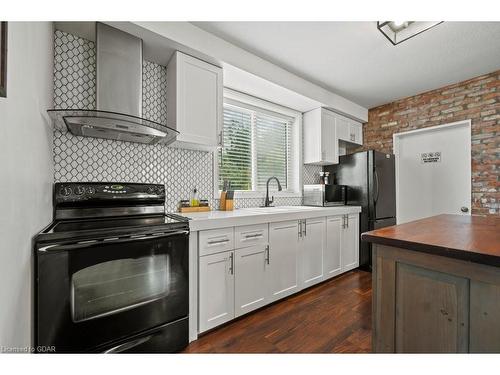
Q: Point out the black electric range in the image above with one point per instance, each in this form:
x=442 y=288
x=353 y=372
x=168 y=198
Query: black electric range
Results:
x=112 y=271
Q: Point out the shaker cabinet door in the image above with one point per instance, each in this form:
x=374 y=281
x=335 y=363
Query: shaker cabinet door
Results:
x=332 y=265
x=350 y=243
x=282 y=276
x=250 y=278
x=216 y=290
x=311 y=251
x=194 y=101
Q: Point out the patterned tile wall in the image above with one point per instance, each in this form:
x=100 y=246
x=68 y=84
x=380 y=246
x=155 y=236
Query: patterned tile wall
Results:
x=74 y=72
x=154 y=92
x=92 y=159
x=310 y=174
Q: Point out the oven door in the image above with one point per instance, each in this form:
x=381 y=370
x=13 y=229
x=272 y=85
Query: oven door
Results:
x=91 y=294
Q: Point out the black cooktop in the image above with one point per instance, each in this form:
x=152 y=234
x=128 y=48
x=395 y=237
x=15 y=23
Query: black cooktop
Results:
x=122 y=226
x=99 y=210
x=79 y=225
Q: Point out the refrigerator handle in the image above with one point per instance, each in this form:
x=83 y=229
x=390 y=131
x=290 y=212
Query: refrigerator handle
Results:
x=377 y=183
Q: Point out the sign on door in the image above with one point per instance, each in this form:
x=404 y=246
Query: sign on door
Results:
x=430 y=157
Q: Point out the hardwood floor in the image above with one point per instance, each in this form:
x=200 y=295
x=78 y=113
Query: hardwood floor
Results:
x=333 y=317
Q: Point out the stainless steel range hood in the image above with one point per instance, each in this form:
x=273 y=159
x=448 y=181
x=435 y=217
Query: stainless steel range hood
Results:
x=119 y=95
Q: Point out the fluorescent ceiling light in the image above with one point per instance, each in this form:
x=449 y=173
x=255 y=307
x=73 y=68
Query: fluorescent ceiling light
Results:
x=399 y=31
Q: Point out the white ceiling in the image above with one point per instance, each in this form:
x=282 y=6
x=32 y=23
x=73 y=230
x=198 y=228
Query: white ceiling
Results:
x=355 y=60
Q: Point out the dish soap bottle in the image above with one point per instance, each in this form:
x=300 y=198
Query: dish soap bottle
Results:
x=195 y=200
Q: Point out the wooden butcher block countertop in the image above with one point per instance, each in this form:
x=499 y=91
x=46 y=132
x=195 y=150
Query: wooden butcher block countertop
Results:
x=470 y=238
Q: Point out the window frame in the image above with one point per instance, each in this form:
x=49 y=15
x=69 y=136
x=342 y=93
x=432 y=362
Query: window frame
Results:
x=294 y=188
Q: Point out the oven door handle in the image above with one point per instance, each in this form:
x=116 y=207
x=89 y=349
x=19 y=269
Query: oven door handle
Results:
x=109 y=240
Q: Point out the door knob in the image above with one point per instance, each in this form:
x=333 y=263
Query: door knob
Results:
x=464 y=209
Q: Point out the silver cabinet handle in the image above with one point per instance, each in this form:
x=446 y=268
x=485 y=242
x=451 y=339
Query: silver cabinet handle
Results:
x=305 y=228
x=220 y=138
x=300 y=228
x=231 y=265
x=343 y=221
x=267 y=254
x=347 y=221
x=218 y=241
x=253 y=236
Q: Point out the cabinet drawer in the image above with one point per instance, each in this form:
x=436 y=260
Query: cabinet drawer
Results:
x=251 y=235
x=216 y=241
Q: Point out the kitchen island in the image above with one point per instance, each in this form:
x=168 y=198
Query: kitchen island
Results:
x=436 y=285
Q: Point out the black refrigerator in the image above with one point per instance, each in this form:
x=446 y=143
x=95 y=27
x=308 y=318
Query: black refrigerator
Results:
x=370 y=177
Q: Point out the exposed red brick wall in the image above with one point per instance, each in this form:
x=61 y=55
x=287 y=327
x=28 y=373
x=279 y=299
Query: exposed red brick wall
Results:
x=476 y=99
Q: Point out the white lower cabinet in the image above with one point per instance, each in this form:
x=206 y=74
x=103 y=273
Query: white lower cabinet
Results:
x=281 y=273
x=312 y=246
x=271 y=261
x=332 y=265
x=350 y=242
x=216 y=290
x=250 y=278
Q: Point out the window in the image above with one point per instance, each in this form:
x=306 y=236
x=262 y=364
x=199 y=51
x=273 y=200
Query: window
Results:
x=257 y=145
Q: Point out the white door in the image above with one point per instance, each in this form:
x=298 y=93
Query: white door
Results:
x=331 y=258
x=350 y=242
x=281 y=273
x=250 y=279
x=311 y=251
x=433 y=171
x=216 y=290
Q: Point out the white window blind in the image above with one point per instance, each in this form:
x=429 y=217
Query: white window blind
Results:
x=257 y=145
x=235 y=158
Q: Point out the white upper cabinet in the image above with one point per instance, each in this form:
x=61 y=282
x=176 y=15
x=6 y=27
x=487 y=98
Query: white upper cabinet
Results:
x=320 y=147
x=342 y=124
x=355 y=132
x=349 y=130
x=323 y=129
x=194 y=101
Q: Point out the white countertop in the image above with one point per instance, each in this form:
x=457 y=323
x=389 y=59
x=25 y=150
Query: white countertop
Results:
x=257 y=215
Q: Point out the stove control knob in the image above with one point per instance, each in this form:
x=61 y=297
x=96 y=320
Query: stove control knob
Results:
x=79 y=190
x=66 y=191
x=150 y=190
x=90 y=190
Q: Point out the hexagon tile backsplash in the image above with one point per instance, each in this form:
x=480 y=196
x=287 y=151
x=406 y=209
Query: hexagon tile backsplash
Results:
x=94 y=159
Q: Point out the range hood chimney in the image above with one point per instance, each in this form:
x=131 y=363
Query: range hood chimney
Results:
x=119 y=95
x=119 y=71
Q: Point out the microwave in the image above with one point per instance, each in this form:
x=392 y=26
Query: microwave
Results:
x=325 y=195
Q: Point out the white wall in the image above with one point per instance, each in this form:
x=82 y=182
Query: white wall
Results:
x=26 y=171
